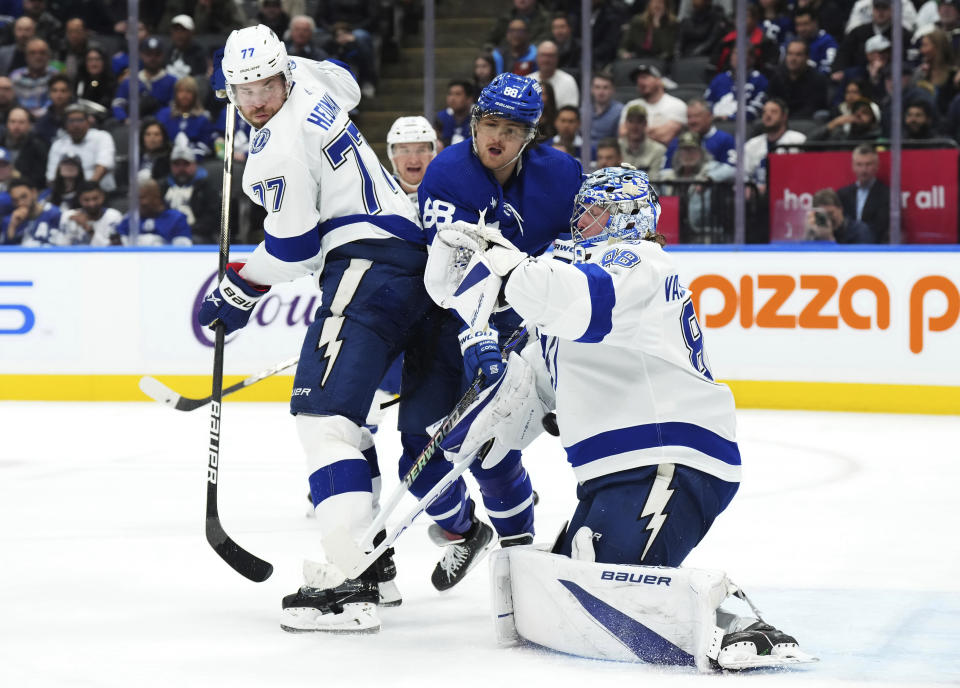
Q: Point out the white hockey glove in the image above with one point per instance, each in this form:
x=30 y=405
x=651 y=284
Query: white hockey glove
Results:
x=458 y=277
x=502 y=256
x=509 y=411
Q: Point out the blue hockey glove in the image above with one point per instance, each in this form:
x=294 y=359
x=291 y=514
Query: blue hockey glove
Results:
x=218 y=82
x=231 y=302
x=481 y=354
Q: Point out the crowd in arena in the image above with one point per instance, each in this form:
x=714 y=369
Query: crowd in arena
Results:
x=662 y=89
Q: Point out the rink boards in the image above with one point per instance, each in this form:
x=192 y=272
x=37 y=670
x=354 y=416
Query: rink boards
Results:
x=787 y=327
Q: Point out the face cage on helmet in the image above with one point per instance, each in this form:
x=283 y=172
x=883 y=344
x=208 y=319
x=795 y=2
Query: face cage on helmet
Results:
x=478 y=115
x=631 y=219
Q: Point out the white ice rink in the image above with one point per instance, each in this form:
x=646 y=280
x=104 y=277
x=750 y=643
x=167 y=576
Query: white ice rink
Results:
x=845 y=533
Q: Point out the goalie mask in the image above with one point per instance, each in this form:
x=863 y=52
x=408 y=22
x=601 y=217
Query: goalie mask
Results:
x=614 y=202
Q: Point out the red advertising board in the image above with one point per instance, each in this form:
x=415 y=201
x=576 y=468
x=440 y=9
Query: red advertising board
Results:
x=928 y=195
x=669 y=223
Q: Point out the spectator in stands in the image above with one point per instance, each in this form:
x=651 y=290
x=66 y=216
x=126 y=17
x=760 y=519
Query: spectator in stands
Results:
x=854 y=91
x=536 y=19
x=484 y=69
x=776 y=23
x=32 y=222
x=636 y=147
x=14 y=56
x=186 y=115
x=568 y=45
x=271 y=14
x=156 y=86
x=776 y=132
x=764 y=53
x=691 y=162
x=28 y=152
x=8 y=97
x=94 y=147
x=48 y=27
x=362 y=15
x=120 y=61
x=32 y=83
x=159 y=225
x=188 y=189
x=95 y=79
x=867 y=199
x=652 y=33
x=303 y=40
x=722 y=95
x=606 y=110
x=951 y=127
x=718 y=143
x=517 y=54
x=821 y=46
x=948 y=12
x=92 y=223
x=7 y=175
x=564 y=86
x=864 y=125
x=607 y=20
x=798 y=84
x=50 y=125
x=844 y=230
x=185 y=58
x=74 y=48
x=918 y=122
x=567 y=124
x=831 y=15
x=910 y=92
x=819 y=226
x=69 y=177
x=608 y=153
x=347 y=47
x=666 y=114
x=700 y=32
x=209 y=16
x=155 y=149
x=937 y=68
x=545 y=129
x=453 y=122
x=852 y=51
x=861 y=14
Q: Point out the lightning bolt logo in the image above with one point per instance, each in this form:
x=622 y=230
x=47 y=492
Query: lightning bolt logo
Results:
x=330 y=340
x=656 y=505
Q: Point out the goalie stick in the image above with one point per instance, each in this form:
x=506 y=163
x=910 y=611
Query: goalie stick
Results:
x=340 y=547
x=243 y=562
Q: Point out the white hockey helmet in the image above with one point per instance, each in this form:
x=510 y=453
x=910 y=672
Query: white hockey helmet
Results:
x=252 y=54
x=411 y=130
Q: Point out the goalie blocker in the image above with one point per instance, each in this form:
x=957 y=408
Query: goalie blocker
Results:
x=648 y=614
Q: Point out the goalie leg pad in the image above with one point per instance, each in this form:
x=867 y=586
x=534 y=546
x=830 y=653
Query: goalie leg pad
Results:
x=607 y=611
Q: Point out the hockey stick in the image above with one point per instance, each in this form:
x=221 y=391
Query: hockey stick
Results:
x=158 y=391
x=341 y=548
x=244 y=563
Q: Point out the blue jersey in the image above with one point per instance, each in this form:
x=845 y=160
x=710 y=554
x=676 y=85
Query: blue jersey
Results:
x=160 y=88
x=168 y=227
x=823 y=49
x=198 y=128
x=720 y=144
x=532 y=210
x=723 y=98
x=43 y=230
x=452 y=131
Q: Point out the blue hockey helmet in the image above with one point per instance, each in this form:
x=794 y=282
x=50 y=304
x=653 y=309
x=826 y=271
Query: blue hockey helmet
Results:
x=614 y=202
x=513 y=97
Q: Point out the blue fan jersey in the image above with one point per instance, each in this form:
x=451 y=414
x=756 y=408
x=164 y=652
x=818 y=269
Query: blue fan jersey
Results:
x=531 y=210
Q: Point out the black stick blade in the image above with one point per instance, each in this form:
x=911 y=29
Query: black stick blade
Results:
x=247 y=565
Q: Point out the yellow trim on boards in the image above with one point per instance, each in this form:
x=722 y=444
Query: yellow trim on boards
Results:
x=816 y=396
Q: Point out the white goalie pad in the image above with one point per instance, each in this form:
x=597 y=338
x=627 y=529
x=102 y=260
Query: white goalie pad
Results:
x=607 y=611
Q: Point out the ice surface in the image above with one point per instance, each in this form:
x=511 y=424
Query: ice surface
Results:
x=844 y=533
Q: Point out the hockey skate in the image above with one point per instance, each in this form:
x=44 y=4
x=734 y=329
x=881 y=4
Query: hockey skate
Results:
x=350 y=607
x=463 y=552
x=386 y=571
x=516 y=540
x=760 y=645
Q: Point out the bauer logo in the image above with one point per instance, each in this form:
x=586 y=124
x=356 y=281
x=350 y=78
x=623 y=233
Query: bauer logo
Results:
x=641 y=578
x=260 y=141
x=275 y=311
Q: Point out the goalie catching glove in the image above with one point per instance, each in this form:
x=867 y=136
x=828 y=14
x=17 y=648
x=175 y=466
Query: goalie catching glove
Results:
x=508 y=412
x=231 y=302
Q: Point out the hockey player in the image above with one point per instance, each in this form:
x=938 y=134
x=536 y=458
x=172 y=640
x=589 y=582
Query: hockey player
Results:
x=648 y=431
x=500 y=176
x=411 y=145
x=331 y=209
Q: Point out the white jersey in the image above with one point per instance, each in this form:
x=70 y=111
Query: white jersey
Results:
x=319 y=181
x=103 y=228
x=625 y=355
